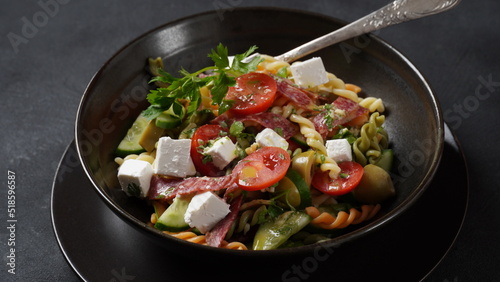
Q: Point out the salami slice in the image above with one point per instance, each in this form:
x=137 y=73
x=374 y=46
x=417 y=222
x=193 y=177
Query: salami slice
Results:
x=215 y=236
x=163 y=188
x=270 y=120
x=342 y=111
x=300 y=97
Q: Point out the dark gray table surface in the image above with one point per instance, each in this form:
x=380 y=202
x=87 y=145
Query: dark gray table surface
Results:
x=50 y=50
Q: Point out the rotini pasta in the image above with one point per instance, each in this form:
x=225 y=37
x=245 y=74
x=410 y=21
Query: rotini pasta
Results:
x=337 y=86
x=315 y=141
x=343 y=219
x=372 y=104
x=145 y=156
x=373 y=139
x=201 y=239
x=286 y=110
x=271 y=65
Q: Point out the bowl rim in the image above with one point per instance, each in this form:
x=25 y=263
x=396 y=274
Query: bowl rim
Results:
x=330 y=243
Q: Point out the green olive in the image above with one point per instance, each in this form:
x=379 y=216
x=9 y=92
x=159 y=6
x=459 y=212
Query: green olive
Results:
x=375 y=186
x=303 y=164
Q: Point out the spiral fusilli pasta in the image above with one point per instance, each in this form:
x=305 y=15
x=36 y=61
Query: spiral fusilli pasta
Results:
x=372 y=104
x=145 y=156
x=270 y=64
x=201 y=239
x=372 y=140
x=286 y=110
x=337 y=86
x=315 y=141
x=343 y=219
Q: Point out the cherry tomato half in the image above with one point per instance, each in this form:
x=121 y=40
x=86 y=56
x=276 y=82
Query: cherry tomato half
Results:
x=349 y=177
x=254 y=93
x=262 y=169
x=200 y=138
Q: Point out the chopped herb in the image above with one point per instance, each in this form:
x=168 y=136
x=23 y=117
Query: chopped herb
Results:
x=206 y=159
x=283 y=72
x=279 y=130
x=237 y=128
x=345 y=133
x=274 y=210
x=344 y=175
x=328 y=115
x=322 y=158
x=188 y=86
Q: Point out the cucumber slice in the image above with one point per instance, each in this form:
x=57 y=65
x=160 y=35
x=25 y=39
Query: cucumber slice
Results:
x=298 y=193
x=302 y=188
x=273 y=233
x=386 y=160
x=172 y=117
x=130 y=143
x=172 y=219
x=166 y=121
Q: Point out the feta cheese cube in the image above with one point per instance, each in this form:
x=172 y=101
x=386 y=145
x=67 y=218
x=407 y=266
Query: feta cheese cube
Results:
x=309 y=73
x=269 y=138
x=223 y=151
x=205 y=210
x=339 y=150
x=134 y=177
x=173 y=158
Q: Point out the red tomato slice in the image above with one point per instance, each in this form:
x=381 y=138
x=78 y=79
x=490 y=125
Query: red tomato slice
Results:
x=254 y=93
x=262 y=169
x=349 y=177
x=201 y=137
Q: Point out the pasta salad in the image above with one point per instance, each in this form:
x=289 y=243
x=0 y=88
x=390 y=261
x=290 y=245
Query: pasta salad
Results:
x=255 y=153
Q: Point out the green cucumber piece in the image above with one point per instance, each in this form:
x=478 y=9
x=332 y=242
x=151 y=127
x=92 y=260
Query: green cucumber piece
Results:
x=298 y=194
x=386 y=160
x=274 y=233
x=302 y=187
x=130 y=143
x=172 y=117
x=172 y=219
x=166 y=121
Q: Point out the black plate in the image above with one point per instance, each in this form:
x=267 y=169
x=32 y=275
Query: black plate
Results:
x=99 y=247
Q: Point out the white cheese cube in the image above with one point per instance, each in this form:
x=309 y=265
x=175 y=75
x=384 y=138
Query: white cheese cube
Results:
x=134 y=177
x=339 y=150
x=269 y=138
x=205 y=210
x=223 y=151
x=309 y=73
x=173 y=158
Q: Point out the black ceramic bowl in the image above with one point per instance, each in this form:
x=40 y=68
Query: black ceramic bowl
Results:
x=116 y=95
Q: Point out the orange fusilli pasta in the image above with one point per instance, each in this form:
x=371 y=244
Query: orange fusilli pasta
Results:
x=343 y=219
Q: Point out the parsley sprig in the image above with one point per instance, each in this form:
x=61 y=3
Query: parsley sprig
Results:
x=186 y=89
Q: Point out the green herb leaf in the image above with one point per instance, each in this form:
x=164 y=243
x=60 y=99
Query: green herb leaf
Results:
x=188 y=86
x=283 y=72
x=152 y=112
x=245 y=67
x=220 y=57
